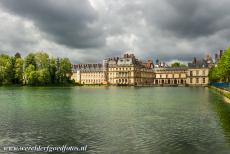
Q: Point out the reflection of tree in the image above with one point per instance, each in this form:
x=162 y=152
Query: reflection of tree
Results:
x=39 y=116
x=223 y=112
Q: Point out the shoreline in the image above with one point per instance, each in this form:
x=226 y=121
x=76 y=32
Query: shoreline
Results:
x=224 y=93
x=103 y=85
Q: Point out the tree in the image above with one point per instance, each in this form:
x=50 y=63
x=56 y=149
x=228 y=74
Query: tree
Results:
x=214 y=74
x=177 y=64
x=18 y=71
x=221 y=72
x=42 y=60
x=31 y=75
x=43 y=76
x=30 y=60
x=35 y=69
x=65 y=69
x=53 y=70
x=17 y=55
x=224 y=66
x=6 y=69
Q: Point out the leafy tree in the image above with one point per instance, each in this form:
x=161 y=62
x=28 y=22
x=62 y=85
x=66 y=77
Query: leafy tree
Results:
x=35 y=69
x=17 y=55
x=177 y=64
x=52 y=70
x=224 y=66
x=30 y=60
x=65 y=69
x=18 y=70
x=31 y=75
x=221 y=72
x=6 y=69
x=42 y=60
x=43 y=76
x=214 y=74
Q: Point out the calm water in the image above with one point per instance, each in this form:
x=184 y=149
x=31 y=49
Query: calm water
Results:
x=117 y=120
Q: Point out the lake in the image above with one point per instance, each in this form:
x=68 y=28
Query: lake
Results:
x=173 y=120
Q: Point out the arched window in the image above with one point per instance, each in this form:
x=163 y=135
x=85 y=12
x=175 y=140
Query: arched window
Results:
x=175 y=81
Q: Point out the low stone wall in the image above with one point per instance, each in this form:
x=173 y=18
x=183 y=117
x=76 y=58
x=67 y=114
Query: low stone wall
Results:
x=223 y=92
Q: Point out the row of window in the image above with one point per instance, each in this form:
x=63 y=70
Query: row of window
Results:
x=92 y=75
x=197 y=73
x=197 y=80
x=168 y=81
x=121 y=69
x=175 y=81
x=92 y=81
x=172 y=75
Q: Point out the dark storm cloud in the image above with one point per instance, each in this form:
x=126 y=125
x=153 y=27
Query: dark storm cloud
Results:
x=190 y=18
x=90 y=30
x=70 y=22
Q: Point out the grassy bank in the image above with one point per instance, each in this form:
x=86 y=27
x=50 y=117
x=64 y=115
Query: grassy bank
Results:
x=221 y=91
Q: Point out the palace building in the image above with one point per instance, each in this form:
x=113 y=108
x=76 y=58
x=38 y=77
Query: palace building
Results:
x=197 y=76
x=170 y=76
x=197 y=73
x=88 y=74
x=128 y=70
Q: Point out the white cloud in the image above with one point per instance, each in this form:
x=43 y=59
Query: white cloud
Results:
x=88 y=31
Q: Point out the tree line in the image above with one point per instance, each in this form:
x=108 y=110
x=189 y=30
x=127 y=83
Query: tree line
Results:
x=177 y=64
x=221 y=72
x=35 y=69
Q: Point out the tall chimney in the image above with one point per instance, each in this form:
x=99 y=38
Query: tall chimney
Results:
x=194 y=60
x=221 y=53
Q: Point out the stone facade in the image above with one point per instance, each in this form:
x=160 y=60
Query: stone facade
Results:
x=128 y=70
x=197 y=76
x=170 y=76
x=88 y=74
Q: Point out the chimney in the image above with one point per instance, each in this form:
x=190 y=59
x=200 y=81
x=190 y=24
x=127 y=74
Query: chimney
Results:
x=216 y=56
x=157 y=61
x=194 y=60
x=221 y=53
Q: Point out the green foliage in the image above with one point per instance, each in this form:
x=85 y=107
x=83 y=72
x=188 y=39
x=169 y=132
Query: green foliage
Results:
x=30 y=60
x=30 y=75
x=42 y=60
x=17 y=55
x=177 y=64
x=214 y=74
x=35 y=69
x=53 y=70
x=43 y=76
x=221 y=72
x=63 y=68
x=18 y=70
x=6 y=69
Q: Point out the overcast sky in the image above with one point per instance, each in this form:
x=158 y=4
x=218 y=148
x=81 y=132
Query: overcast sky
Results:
x=90 y=30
